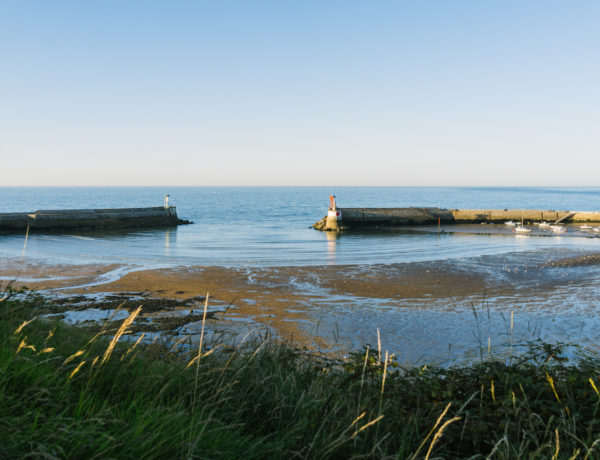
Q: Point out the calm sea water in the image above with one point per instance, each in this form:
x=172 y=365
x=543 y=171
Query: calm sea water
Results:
x=269 y=226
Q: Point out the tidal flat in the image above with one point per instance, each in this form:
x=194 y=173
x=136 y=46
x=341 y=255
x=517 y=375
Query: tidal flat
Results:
x=442 y=312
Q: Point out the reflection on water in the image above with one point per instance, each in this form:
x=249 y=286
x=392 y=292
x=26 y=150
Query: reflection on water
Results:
x=331 y=246
x=167 y=243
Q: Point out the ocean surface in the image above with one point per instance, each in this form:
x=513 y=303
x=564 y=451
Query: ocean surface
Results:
x=269 y=226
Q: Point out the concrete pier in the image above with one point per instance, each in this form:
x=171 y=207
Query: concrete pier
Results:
x=370 y=217
x=159 y=216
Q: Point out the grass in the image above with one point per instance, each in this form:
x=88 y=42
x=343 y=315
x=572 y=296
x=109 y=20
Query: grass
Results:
x=67 y=394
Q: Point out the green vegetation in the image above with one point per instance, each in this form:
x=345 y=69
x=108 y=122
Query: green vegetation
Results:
x=67 y=394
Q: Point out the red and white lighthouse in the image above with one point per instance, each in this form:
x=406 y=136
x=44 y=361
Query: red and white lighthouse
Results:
x=334 y=215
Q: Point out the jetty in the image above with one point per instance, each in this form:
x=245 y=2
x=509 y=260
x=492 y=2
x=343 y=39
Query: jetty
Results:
x=91 y=219
x=345 y=218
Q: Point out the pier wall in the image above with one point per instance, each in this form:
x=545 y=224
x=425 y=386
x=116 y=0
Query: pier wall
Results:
x=528 y=215
x=364 y=217
x=91 y=218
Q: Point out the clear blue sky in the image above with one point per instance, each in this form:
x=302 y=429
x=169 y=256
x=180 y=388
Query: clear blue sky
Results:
x=299 y=93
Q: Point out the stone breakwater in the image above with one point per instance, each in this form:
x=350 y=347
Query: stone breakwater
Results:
x=158 y=216
x=372 y=217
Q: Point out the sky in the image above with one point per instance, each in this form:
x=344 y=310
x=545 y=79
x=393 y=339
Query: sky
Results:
x=364 y=93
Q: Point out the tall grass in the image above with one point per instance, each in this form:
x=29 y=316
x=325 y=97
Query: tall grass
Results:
x=65 y=394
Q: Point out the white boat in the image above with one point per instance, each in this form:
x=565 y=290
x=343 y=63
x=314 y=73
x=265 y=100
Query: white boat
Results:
x=544 y=224
x=597 y=229
x=558 y=228
x=522 y=229
x=586 y=227
x=510 y=223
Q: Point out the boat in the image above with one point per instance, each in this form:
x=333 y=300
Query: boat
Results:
x=597 y=229
x=558 y=228
x=510 y=223
x=521 y=228
x=544 y=225
x=586 y=227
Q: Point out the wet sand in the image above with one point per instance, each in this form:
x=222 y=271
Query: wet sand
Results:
x=41 y=276
x=291 y=301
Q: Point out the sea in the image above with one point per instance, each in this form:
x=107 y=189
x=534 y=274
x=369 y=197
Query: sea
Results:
x=269 y=226
x=257 y=228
